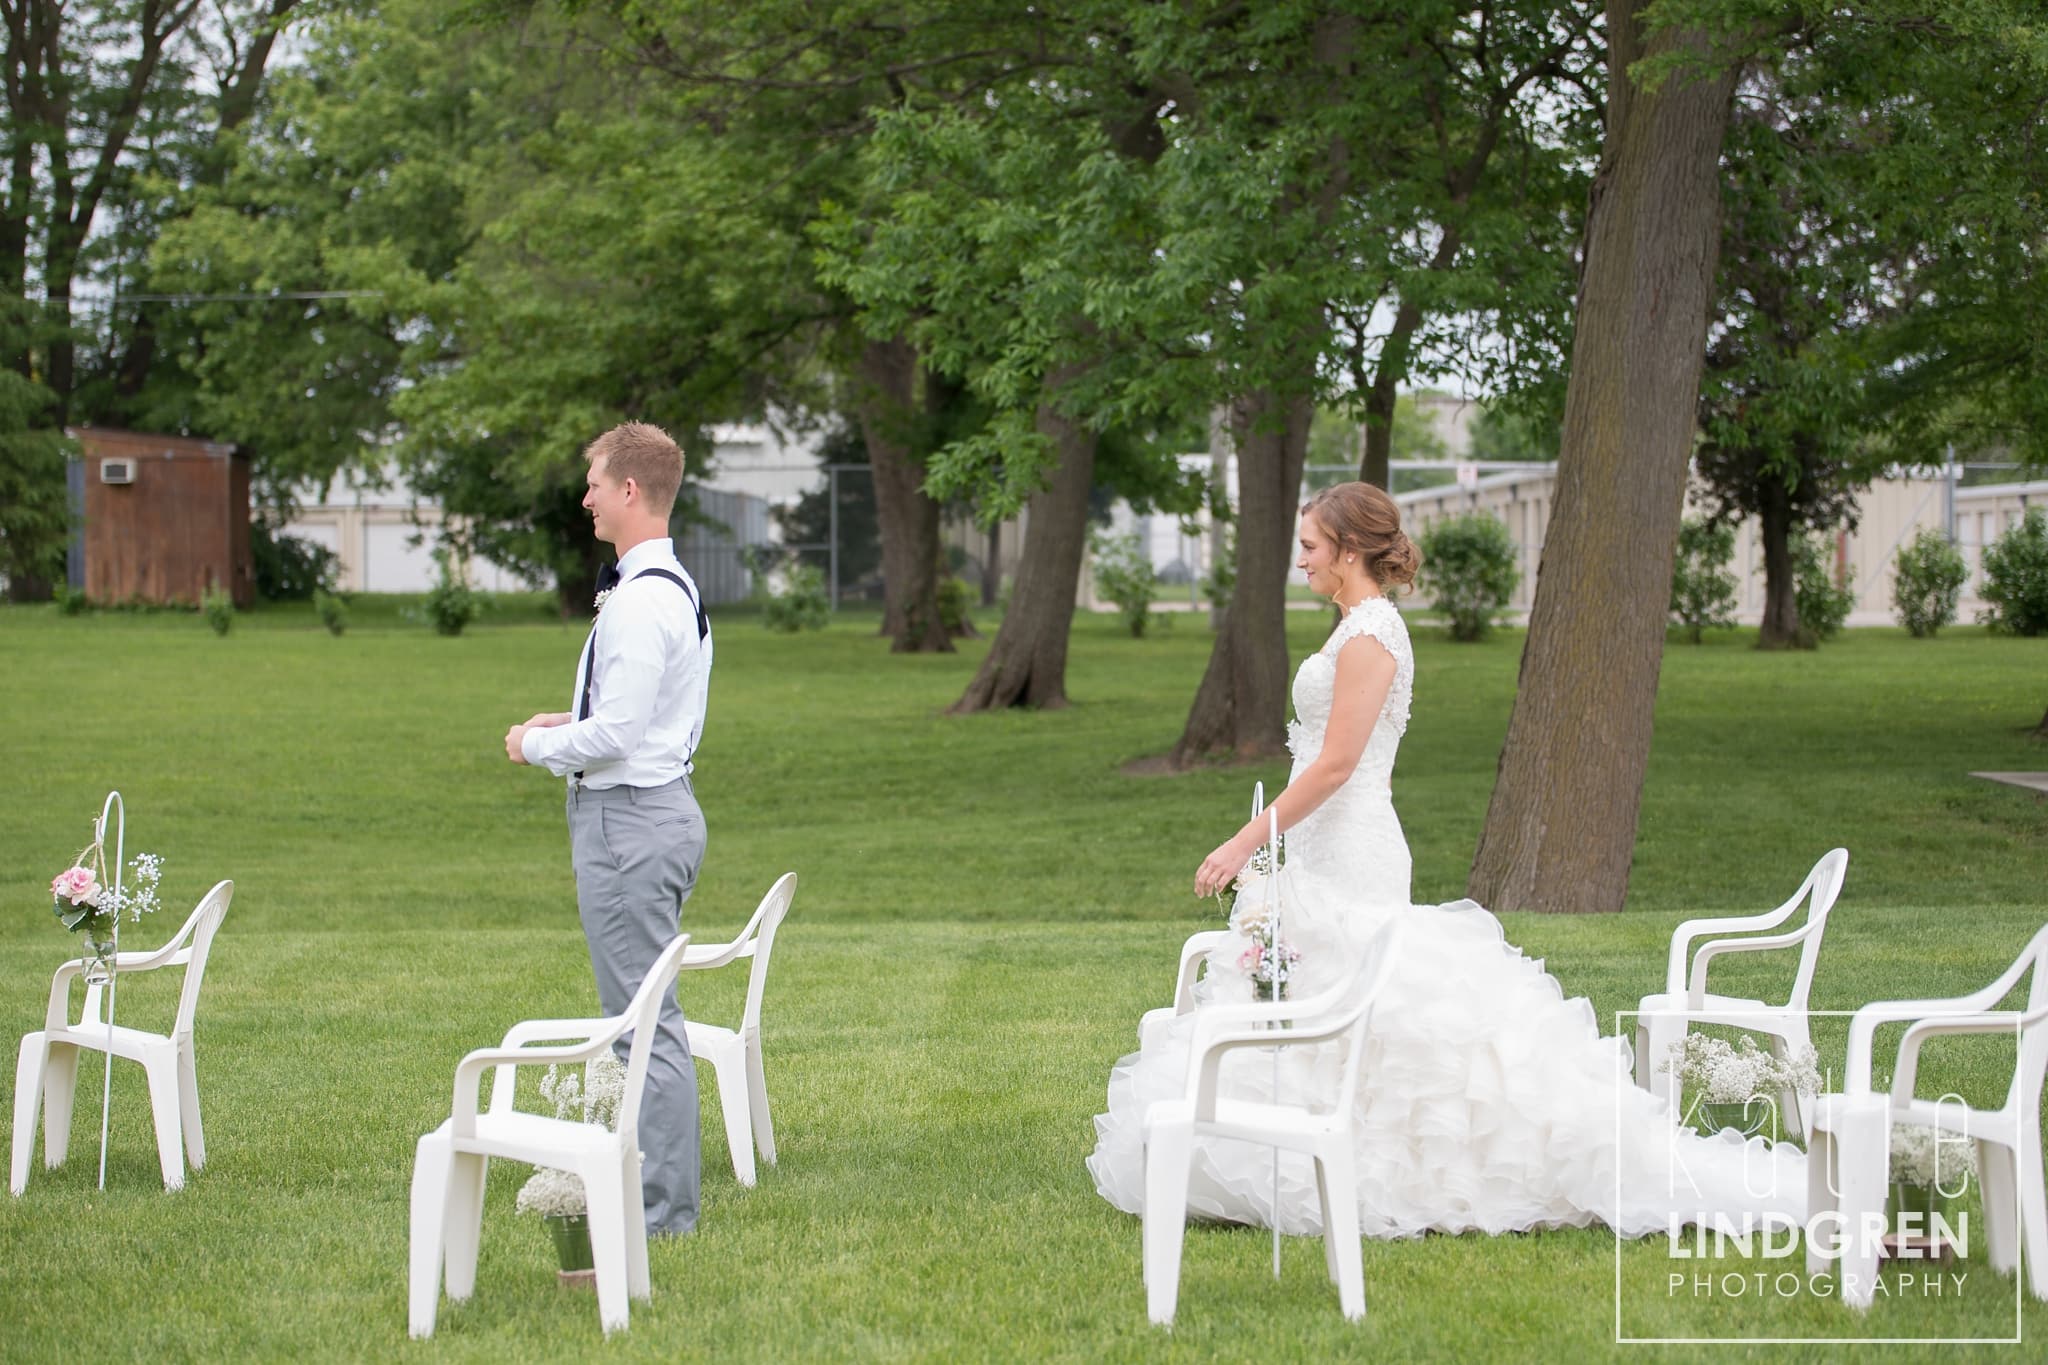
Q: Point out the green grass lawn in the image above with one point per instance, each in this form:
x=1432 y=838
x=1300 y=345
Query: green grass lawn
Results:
x=987 y=904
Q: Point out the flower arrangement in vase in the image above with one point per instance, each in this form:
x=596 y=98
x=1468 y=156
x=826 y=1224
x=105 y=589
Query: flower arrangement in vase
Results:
x=1738 y=1087
x=1928 y=1169
x=558 y=1196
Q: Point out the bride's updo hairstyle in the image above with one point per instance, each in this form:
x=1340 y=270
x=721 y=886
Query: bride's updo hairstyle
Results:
x=1364 y=521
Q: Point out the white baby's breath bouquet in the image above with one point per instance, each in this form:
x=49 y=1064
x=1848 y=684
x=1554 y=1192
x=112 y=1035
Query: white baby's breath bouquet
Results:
x=593 y=1097
x=1718 y=1073
x=1921 y=1156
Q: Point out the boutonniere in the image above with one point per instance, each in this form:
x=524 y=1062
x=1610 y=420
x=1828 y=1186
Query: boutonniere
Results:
x=597 y=603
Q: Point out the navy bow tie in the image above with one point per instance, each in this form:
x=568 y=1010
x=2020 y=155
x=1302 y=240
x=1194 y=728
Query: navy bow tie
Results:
x=607 y=577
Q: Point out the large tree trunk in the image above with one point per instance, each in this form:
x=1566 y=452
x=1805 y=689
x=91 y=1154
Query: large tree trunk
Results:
x=1561 y=827
x=1781 y=627
x=907 y=519
x=1240 y=710
x=1027 y=664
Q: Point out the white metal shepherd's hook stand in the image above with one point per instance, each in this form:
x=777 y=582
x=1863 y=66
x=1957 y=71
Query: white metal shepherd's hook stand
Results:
x=1273 y=978
x=113 y=803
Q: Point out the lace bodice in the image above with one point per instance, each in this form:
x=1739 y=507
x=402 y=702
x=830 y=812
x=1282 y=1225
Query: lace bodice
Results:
x=1353 y=839
x=1315 y=685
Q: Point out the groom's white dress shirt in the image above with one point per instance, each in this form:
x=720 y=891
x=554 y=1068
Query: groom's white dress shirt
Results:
x=650 y=680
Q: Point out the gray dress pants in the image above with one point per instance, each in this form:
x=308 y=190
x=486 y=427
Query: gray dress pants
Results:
x=637 y=851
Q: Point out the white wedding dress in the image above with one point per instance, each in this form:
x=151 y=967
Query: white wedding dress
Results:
x=1487 y=1101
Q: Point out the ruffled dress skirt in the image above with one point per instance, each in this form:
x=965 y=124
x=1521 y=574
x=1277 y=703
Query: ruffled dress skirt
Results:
x=1487 y=1101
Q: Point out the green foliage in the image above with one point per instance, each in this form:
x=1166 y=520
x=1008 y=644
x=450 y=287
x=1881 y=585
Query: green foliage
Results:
x=218 y=608
x=2016 y=577
x=1124 y=575
x=1468 y=566
x=451 y=604
x=803 y=604
x=69 y=601
x=331 y=610
x=956 y=605
x=1702 y=589
x=1928 y=583
x=1144 y=253
x=1514 y=431
x=1824 y=604
x=1221 y=580
x=289 y=568
x=35 y=510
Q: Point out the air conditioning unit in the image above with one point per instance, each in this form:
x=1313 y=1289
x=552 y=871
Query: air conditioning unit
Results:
x=117 y=471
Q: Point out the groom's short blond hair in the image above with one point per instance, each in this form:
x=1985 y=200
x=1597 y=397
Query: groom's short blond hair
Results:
x=644 y=453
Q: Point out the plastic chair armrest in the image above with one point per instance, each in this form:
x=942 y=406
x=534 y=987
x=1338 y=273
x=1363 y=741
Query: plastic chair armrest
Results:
x=1192 y=954
x=696 y=959
x=1863 y=1027
x=1696 y=988
x=1989 y=1021
x=1683 y=936
x=532 y=1030
x=469 y=1074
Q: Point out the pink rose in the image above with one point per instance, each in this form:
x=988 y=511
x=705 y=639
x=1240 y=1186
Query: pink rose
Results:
x=76 y=884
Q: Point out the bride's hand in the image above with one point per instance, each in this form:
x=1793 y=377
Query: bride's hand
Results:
x=1221 y=867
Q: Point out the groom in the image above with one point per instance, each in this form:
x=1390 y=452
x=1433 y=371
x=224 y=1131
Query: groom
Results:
x=636 y=834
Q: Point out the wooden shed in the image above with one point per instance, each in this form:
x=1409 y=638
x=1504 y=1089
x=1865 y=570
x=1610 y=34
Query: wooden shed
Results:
x=166 y=517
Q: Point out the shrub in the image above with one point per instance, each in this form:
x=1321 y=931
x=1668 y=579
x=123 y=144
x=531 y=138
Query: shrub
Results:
x=1469 y=567
x=956 y=604
x=1928 y=583
x=452 y=604
x=803 y=603
x=2016 y=577
x=69 y=601
x=289 y=568
x=218 y=608
x=1124 y=576
x=1823 y=605
x=1702 y=590
x=332 y=611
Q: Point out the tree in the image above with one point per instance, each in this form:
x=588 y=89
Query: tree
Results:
x=1561 y=823
x=109 y=122
x=1171 y=216
x=1560 y=828
x=35 y=511
x=798 y=86
x=1803 y=274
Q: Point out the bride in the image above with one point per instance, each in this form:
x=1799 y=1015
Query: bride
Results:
x=1487 y=1101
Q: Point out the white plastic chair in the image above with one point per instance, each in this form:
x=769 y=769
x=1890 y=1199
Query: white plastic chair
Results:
x=1848 y=1161
x=1338 y=1017
x=1663 y=1020
x=46 y=1070
x=1194 y=954
x=736 y=1055
x=449 y=1168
